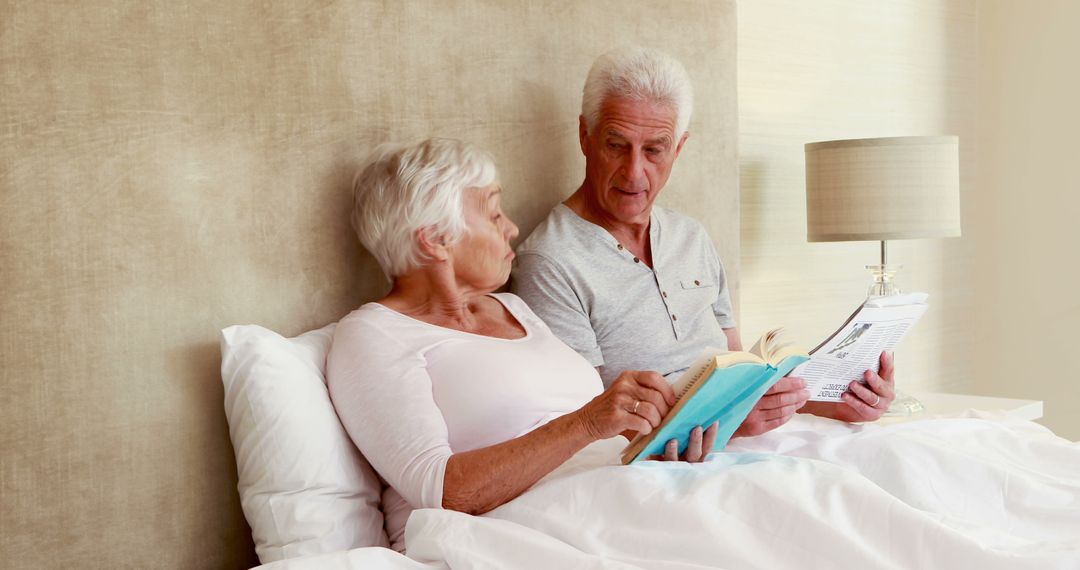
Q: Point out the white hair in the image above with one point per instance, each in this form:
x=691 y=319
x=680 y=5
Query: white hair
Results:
x=405 y=188
x=638 y=73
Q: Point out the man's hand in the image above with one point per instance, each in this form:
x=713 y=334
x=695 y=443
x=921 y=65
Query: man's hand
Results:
x=865 y=400
x=776 y=407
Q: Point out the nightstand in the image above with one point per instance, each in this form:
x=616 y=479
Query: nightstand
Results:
x=938 y=403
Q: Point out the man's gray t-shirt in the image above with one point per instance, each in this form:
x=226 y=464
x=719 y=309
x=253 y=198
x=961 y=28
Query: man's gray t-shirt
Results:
x=611 y=307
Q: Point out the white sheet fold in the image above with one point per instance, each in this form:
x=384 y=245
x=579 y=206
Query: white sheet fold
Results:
x=979 y=491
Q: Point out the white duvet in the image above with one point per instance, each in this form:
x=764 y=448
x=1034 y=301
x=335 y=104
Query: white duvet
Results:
x=969 y=492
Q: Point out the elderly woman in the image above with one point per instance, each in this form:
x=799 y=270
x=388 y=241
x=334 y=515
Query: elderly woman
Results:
x=462 y=398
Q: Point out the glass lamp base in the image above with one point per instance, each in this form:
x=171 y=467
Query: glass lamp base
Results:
x=904 y=405
x=884 y=281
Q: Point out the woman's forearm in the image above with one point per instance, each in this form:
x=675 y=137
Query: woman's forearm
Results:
x=479 y=480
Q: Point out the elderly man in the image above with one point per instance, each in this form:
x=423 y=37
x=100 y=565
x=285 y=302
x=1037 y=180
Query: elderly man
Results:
x=631 y=286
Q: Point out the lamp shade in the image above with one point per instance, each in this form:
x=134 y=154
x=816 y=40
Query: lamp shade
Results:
x=883 y=189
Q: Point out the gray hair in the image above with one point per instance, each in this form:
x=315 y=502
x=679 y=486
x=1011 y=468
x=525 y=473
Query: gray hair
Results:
x=638 y=73
x=405 y=188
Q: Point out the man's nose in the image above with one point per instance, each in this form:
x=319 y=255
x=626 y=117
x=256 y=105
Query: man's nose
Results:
x=634 y=169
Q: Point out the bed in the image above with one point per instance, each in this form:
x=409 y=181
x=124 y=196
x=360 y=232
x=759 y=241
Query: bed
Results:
x=969 y=490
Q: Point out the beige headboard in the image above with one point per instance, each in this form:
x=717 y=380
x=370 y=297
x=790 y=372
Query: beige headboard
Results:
x=171 y=168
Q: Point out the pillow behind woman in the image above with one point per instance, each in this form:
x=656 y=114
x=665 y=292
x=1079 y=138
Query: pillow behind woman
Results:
x=304 y=487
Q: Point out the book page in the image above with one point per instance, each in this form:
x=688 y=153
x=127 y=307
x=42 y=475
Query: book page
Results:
x=761 y=347
x=875 y=328
x=696 y=371
x=710 y=359
x=773 y=347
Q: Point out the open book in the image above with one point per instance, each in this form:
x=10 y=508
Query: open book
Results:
x=720 y=386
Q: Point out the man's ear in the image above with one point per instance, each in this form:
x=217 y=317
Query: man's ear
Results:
x=682 y=141
x=432 y=245
x=583 y=134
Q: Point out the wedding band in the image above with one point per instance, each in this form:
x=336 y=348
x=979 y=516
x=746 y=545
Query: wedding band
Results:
x=636 y=404
x=876 y=402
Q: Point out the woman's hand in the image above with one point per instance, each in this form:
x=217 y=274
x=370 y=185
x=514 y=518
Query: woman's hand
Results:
x=637 y=401
x=697 y=449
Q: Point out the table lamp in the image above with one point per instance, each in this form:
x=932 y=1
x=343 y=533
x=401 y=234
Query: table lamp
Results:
x=883 y=189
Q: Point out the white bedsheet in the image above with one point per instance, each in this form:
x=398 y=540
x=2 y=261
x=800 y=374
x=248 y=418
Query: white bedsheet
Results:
x=981 y=492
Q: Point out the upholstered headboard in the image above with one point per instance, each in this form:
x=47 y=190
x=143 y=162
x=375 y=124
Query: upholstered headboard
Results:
x=171 y=168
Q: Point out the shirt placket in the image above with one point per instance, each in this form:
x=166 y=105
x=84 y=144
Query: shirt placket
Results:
x=673 y=318
x=661 y=289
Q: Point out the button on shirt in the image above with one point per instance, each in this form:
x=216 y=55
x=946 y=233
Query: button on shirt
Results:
x=611 y=307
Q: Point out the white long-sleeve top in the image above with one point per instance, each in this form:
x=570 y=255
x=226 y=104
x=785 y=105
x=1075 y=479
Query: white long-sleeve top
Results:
x=410 y=394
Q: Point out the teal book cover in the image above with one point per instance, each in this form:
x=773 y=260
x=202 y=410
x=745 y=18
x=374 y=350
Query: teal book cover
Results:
x=726 y=396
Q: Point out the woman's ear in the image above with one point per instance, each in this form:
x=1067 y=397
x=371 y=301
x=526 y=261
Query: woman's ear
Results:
x=432 y=245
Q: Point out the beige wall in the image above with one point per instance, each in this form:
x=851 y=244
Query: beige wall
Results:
x=1029 y=150
x=832 y=69
x=1001 y=74
x=170 y=168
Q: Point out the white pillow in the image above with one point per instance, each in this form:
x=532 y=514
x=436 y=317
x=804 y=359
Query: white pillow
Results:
x=304 y=486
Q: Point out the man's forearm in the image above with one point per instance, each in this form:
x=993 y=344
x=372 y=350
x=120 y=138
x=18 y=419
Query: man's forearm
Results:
x=734 y=342
x=832 y=410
